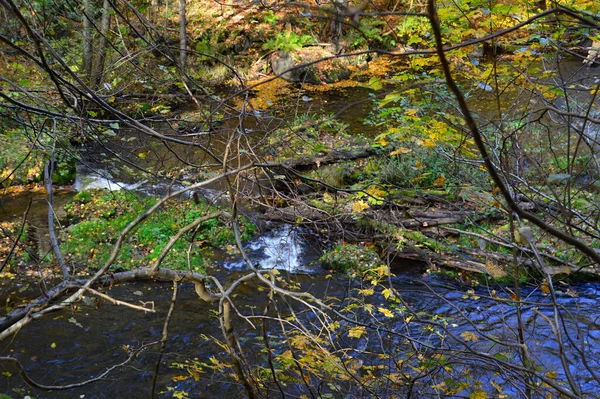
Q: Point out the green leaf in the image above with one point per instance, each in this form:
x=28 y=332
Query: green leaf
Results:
x=375 y=83
x=390 y=98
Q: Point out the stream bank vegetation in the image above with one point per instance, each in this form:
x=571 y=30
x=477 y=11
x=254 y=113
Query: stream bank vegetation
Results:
x=479 y=156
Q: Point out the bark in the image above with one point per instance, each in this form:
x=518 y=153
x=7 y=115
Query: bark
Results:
x=103 y=46
x=48 y=171
x=53 y=239
x=335 y=156
x=87 y=38
x=182 y=37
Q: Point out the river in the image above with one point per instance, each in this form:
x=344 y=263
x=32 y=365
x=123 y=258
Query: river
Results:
x=82 y=342
x=433 y=317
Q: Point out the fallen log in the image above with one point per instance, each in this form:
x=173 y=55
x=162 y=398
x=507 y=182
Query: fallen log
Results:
x=28 y=312
x=304 y=163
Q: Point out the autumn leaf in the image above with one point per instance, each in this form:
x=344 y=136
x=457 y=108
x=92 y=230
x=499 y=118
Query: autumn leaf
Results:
x=375 y=83
x=545 y=288
x=440 y=181
x=400 y=150
x=387 y=293
x=356 y=332
x=382 y=142
x=469 y=336
x=359 y=206
x=386 y=312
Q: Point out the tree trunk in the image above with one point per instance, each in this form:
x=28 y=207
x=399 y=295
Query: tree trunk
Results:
x=182 y=36
x=48 y=171
x=87 y=38
x=103 y=46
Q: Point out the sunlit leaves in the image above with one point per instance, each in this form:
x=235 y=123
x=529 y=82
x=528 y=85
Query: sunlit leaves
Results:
x=387 y=293
x=359 y=206
x=356 y=332
x=390 y=98
x=375 y=83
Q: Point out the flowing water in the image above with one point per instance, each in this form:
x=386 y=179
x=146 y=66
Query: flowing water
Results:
x=82 y=342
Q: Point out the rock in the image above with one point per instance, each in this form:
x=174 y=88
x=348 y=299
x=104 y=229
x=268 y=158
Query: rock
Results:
x=297 y=67
x=593 y=56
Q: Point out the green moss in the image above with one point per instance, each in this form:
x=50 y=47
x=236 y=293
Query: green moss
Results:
x=350 y=258
x=98 y=217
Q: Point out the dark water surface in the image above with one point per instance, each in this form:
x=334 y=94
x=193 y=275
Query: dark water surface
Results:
x=80 y=343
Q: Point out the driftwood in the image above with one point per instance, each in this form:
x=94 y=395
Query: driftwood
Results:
x=409 y=219
x=334 y=156
x=427 y=220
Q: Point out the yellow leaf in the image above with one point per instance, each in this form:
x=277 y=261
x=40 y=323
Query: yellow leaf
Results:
x=440 y=181
x=440 y=387
x=553 y=375
x=382 y=142
x=53 y=345
x=359 y=206
x=428 y=143
x=478 y=395
x=419 y=165
x=367 y=291
x=386 y=312
x=327 y=198
x=400 y=150
x=179 y=378
x=469 y=336
x=356 y=332
x=387 y=293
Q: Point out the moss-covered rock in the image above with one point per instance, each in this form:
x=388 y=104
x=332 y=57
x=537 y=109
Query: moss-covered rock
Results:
x=351 y=258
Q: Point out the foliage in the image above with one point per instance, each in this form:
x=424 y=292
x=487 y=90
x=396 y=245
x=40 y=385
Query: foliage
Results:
x=287 y=42
x=98 y=216
x=23 y=154
x=351 y=258
x=539 y=125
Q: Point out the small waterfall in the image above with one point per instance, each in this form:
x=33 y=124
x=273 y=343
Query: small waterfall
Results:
x=281 y=248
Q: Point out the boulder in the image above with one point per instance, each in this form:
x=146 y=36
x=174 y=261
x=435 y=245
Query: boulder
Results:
x=298 y=66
